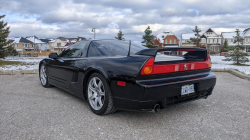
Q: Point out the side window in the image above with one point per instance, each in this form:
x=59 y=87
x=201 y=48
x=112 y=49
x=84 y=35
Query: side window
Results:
x=94 y=51
x=112 y=48
x=107 y=48
x=75 y=50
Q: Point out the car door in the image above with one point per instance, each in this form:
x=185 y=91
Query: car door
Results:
x=63 y=70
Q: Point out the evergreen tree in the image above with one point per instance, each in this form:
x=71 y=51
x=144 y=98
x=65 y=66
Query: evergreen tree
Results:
x=148 y=39
x=238 y=56
x=119 y=36
x=10 y=51
x=225 y=47
x=4 y=33
x=197 y=39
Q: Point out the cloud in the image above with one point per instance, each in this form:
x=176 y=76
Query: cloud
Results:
x=53 y=18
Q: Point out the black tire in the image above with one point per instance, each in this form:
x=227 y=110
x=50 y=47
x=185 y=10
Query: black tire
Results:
x=108 y=106
x=46 y=83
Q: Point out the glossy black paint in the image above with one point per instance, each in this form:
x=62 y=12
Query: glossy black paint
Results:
x=53 y=55
x=140 y=92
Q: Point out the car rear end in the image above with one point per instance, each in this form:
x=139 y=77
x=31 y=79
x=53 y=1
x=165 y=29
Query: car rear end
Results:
x=173 y=76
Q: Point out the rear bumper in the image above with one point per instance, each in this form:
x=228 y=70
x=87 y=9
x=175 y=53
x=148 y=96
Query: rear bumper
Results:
x=164 y=94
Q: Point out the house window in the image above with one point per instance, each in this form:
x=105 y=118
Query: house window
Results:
x=15 y=45
x=175 y=41
x=170 y=41
x=58 y=44
x=166 y=41
x=232 y=40
x=212 y=48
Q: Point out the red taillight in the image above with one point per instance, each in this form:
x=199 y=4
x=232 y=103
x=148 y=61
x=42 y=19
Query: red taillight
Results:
x=208 y=61
x=120 y=83
x=149 y=68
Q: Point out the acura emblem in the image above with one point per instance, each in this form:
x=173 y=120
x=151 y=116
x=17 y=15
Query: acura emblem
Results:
x=185 y=67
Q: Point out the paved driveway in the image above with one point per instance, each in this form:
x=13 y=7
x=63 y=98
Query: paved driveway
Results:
x=29 y=111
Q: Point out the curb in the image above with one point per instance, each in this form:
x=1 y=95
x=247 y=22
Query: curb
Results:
x=234 y=72
x=18 y=72
x=239 y=74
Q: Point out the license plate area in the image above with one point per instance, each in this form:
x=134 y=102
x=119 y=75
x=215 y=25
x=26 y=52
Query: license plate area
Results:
x=187 y=90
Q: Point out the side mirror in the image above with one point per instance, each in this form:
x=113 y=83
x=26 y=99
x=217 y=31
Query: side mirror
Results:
x=53 y=55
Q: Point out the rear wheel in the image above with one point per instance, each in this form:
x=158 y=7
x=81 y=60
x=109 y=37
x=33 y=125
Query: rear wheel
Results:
x=43 y=76
x=99 y=95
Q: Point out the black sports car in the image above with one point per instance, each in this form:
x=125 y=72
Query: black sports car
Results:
x=119 y=75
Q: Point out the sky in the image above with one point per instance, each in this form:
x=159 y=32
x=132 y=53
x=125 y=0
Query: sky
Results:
x=69 y=18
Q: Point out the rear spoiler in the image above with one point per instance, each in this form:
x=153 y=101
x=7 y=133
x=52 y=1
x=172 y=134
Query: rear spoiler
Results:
x=153 y=52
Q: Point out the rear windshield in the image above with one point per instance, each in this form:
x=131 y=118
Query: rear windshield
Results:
x=112 y=48
x=180 y=56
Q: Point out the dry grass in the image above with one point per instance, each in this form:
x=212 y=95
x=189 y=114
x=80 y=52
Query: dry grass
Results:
x=3 y=63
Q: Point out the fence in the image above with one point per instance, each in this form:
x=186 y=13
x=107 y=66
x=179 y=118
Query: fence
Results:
x=34 y=54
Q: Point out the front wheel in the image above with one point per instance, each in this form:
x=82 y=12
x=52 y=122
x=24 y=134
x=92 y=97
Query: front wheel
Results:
x=99 y=95
x=43 y=76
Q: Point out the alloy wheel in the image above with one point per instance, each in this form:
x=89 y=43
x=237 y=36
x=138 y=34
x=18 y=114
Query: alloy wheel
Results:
x=96 y=93
x=43 y=76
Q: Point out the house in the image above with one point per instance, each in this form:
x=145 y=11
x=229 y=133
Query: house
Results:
x=61 y=43
x=166 y=39
x=45 y=46
x=213 y=41
x=209 y=39
x=80 y=38
x=246 y=35
x=22 y=44
x=229 y=36
x=39 y=44
x=185 y=40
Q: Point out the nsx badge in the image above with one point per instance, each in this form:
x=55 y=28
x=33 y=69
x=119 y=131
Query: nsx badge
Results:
x=185 y=67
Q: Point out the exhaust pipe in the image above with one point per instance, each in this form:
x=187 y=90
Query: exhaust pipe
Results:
x=156 y=108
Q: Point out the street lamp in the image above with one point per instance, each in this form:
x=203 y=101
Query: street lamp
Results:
x=93 y=30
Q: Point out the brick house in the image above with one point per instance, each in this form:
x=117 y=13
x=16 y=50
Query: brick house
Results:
x=166 y=39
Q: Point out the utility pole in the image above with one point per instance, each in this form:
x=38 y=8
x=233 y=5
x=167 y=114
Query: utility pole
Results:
x=93 y=30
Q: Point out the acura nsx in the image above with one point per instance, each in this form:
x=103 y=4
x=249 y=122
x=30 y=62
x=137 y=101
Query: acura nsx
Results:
x=119 y=75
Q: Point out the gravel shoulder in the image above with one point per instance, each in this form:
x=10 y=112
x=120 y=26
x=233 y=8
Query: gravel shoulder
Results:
x=29 y=111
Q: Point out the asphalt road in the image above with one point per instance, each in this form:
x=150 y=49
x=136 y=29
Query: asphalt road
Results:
x=29 y=111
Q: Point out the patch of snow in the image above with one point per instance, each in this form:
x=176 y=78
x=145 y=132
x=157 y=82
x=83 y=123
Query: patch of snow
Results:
x=35 y=40
x=27 y=63
x=218 y=63
x=16 y=40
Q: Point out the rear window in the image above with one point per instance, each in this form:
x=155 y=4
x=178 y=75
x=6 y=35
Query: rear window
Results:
x=112 y=48
x=180 y=56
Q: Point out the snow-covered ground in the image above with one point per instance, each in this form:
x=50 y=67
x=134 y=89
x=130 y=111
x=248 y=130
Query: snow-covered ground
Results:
x=217 y=63
x=31 y=63
x=27 y=63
